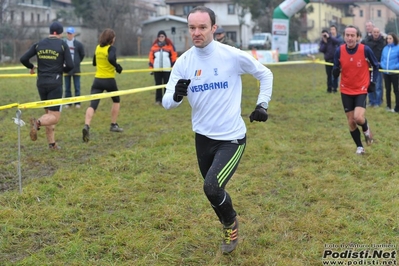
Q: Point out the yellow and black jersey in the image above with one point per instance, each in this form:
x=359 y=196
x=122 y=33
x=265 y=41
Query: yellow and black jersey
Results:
x=105 y=61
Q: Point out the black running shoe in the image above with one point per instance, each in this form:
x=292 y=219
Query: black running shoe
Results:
x=115 y=128
x=86 y=133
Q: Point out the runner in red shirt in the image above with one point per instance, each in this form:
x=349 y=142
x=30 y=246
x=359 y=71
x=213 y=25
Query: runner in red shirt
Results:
x=353 y=61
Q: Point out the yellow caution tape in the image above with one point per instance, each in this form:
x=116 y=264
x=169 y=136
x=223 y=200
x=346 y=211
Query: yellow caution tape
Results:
x=88 y=73
x=88 y=62
x=63 y=101
x=8 y=106
x=54 y=102
x=291 y=62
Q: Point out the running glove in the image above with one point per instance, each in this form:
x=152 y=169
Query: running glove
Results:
x=336 y=72
x=259 y=114
x=181 y=89
x=371 y=87
x=118 y=68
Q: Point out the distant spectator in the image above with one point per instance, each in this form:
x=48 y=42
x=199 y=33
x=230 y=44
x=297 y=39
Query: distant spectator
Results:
x=334 y=33
x=162 y=55
x=369 y=28
x=327 y=46
x=390 y=61
x=221 y=37
x=78 y=53
x=376 y=42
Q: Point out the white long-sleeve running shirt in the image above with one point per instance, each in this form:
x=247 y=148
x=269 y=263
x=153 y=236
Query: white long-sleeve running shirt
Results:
x=215 y=90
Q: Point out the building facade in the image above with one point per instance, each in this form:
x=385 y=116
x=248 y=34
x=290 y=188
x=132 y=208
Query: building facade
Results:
x=342 y=14
x=236 y=23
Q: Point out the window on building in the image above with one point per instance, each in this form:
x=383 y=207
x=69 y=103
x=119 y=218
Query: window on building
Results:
x=231 y=9
x=232 y=35
x=32 y=2
x=38 y=17
x=46 y=2
x=23 y=17
x=361 y=13
x=12 y=15
x=379 y=13
x=32 y=17
x=48 y=17
x=187 y=9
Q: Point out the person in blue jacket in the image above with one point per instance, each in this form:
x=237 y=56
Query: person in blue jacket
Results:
x=390 y=61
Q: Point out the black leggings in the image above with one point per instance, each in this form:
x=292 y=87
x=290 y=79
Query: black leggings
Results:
x=160 y=78
x=392 y=79
x=218 y=160
x=100 y=85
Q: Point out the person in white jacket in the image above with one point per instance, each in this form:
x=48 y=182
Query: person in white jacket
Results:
x=209 y=75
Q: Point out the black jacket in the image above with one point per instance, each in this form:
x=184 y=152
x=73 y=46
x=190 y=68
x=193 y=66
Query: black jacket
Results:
x=53 y=58
x=376 y=45
x=78 y=56
x=328 y=49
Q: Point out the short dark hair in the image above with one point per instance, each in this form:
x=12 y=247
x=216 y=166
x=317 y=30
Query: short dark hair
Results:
x=204 y=9
x=56 y=27
x=333 y=26
x=358 y=32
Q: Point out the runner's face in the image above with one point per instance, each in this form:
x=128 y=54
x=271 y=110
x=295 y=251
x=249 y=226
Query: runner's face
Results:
x=350 y=37
x=200 y=28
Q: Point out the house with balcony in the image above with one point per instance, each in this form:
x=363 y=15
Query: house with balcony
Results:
x=29 y=21
x=31 y=13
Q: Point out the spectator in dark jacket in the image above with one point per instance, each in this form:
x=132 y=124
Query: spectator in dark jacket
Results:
x=377 y=43
x=220 y=36
x=334 y=33
x=328 y=46
x=78 y=53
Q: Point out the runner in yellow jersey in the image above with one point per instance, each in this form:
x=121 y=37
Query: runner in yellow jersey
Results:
x=104 y=80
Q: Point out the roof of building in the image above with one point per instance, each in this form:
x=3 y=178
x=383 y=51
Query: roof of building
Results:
x=167 y=17
x=197 y=2
x=64 y=1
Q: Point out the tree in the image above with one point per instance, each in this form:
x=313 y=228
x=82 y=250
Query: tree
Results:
x=123 y=16
x=298 y=25
x=120 y=15
x=85 y=10
x=102 y=14
x=261 y=12
x=392 y=26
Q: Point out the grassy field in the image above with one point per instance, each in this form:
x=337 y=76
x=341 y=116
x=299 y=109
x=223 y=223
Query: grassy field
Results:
x=136 y=198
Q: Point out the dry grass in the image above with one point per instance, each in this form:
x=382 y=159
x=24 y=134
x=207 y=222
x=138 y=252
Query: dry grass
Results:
x=136 y=198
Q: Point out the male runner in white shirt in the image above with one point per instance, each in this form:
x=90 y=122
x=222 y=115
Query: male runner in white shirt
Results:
x=209 y=74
